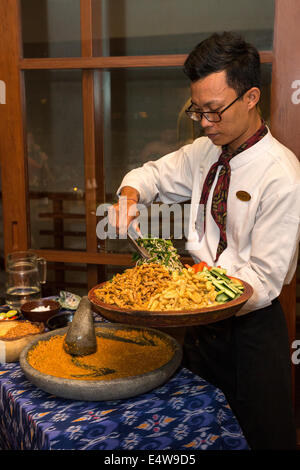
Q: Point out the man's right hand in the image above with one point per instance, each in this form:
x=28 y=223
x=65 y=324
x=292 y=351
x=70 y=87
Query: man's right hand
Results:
x=121 y=214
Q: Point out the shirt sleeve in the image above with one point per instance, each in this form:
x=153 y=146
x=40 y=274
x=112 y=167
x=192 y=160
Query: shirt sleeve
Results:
x=275 y=240
x=168 y=179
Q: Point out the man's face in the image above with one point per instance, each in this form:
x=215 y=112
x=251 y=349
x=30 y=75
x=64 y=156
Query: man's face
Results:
x=212 y=93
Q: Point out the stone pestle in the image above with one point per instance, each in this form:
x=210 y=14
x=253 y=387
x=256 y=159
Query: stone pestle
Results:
x=80 y=339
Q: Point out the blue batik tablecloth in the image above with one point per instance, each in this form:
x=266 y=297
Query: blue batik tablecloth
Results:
x=186 y=413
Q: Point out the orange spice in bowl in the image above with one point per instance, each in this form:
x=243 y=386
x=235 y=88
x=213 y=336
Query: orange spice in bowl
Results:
x=21 y=329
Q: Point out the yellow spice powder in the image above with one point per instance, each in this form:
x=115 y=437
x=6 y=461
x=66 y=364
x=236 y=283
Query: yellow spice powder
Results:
x=119 y=358
x=22 y=329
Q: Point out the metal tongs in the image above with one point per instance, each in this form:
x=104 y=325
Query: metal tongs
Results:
x=134 y=233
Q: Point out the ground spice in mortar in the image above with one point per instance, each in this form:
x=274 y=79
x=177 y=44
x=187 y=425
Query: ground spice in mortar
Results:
x=131 y=353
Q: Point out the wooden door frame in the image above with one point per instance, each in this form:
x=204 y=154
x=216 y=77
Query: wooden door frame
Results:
x=285 y=124
x=16 y=221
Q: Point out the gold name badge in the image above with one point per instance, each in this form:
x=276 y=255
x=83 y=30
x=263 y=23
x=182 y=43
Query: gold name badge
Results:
x=243 y=196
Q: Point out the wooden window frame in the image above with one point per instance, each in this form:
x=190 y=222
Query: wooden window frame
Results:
x=89 y=62
x=285 y=122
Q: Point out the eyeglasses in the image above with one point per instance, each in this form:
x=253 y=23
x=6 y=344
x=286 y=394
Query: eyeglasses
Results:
x=211 y=116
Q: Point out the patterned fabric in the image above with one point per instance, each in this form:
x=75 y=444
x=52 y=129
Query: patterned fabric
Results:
x=186 y=413
x=219 y=200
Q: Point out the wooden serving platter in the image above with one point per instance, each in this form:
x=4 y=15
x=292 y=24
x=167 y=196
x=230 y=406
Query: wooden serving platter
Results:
x=169 y=318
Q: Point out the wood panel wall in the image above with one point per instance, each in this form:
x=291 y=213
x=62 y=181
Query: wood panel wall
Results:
x=285 y=109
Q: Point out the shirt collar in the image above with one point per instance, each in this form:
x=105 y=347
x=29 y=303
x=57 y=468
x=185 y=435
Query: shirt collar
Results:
x=254 y=139
x=253 y=152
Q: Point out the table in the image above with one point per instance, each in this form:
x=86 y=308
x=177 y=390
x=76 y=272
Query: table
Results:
x=186 y=413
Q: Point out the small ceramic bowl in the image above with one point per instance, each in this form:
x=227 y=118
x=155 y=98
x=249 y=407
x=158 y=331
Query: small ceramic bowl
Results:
x=60 y=320
x=30 y=312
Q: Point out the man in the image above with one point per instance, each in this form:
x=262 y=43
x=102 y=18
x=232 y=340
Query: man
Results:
x=249 y=185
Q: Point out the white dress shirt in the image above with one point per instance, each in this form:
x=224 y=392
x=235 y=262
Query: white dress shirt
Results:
x=262 y=233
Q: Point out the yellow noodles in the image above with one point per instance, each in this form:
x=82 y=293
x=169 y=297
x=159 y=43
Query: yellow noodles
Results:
x=152 y=287
x=186 y=291
x=135 y=287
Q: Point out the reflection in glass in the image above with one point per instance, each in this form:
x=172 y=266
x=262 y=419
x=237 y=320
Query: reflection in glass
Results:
x=51 y=28
x=55 y=159
x=69 y=277
x=142 y=27
x=145 y=119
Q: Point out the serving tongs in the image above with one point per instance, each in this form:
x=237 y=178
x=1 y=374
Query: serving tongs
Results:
x=134 y=233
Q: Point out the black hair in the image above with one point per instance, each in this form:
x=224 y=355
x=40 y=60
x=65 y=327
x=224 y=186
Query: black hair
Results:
x=227 y=51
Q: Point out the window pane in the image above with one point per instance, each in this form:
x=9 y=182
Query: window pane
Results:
x=55 y=159
x=144 y=119
x=141 y=27
x=69 y=277
x=51 y=28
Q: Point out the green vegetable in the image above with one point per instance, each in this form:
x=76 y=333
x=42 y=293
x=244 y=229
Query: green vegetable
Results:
x=222 y=298
x=227 y=281
x=162 y=252
x=227 y=289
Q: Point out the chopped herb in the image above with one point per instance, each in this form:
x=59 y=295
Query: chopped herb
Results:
x=162 y=252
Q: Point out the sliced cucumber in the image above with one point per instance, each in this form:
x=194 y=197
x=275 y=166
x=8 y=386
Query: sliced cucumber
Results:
x=222 y=298
x=227 y=281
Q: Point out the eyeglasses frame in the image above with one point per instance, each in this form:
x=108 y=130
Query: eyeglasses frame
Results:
x=203 y=113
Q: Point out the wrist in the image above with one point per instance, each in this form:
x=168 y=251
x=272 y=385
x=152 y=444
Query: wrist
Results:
x=130 y=193
x=131 y=199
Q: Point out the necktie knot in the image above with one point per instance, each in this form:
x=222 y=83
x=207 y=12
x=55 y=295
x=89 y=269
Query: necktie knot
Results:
x=225 y=158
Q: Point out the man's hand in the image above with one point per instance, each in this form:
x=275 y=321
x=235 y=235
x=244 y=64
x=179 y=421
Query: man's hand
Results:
x=121 y=214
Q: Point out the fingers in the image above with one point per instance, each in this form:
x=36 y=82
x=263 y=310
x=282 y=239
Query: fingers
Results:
x=121 y=214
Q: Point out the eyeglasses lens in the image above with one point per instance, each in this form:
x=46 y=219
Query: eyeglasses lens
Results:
x=211 y=117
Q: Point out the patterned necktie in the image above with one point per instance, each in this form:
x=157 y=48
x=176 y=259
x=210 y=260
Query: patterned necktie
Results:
x=219 y=200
